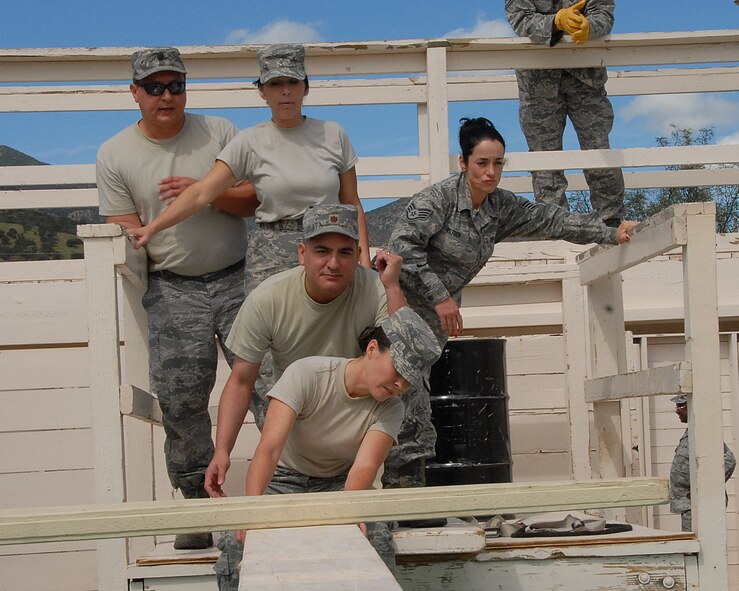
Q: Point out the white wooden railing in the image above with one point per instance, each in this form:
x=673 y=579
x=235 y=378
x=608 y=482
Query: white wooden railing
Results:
x=429 y=74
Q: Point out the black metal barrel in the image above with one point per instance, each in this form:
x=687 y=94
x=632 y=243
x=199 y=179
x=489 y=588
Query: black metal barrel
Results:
x=469 y=405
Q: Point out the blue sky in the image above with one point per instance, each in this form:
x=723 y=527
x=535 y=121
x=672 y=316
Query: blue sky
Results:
x=74 y=138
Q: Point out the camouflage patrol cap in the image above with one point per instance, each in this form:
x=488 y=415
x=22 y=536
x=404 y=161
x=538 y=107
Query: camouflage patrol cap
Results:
x=679 y=399
x=413 y=347
x=156 y=59
x=337 y=218
x=281 y=59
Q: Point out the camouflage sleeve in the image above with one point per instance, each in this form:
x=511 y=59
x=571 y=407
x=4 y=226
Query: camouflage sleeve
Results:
x=600 y=16
x=729 y=462
x=527 y=21
x=422 y=219
x=523 y=218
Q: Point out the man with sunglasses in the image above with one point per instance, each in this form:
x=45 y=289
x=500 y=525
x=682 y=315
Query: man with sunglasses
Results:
x=196 y=270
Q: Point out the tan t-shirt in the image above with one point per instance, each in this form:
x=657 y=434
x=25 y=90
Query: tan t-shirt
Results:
x=280 y=317
x=129 y=168
x=330 y=425
x=291 y=168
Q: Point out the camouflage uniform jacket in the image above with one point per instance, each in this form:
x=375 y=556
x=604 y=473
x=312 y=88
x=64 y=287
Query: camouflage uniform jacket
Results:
x=680 y=474
x=444 y=242
x=535 y=19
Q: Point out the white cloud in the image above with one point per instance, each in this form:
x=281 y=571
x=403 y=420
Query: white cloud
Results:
x=729 y=139
x=695 y=111
x=483 y=28
x=281 y=31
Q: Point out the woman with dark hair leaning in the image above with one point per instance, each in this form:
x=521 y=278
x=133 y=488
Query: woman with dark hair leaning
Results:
x=293 y=161
x=331 y=422
x=446 y=236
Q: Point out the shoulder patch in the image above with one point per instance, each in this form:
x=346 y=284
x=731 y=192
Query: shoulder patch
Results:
x=413 y=213
x=529 y=205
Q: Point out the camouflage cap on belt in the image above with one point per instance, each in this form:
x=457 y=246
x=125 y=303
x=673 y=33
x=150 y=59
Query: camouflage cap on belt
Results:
x=679 y=399
x=157 y=59
x=281 y=59
x=413 y=347
x=330 y=219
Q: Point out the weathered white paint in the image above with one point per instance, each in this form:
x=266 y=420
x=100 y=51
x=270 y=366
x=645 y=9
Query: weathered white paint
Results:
x=327 y=558
x=329 y=508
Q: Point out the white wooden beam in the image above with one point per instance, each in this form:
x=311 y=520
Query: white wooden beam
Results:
x=329 y=508
x=660 y=233
x=139 y=404
x=668 y=379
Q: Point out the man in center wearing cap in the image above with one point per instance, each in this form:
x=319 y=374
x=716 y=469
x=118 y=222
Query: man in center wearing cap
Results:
x=318 y=308
x=196 y=271
x=680 y=470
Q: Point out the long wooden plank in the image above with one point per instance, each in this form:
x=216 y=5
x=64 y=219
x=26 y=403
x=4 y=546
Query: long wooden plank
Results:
x=331 y=508
x=327 y=558
x=668 y=379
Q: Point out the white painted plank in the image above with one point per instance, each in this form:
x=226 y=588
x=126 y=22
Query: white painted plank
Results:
x=39 y=451
x=456 y=537
x=140 y=404
x=54 y=314
x=327 y=558
x=44 y=489
x=542 y=467
x=665 y=380
x=63 y=368
x=61 y=408
x=658 y=234
x=20 y=271
x=540 y=432
x=544 y=392
x=64 y=571
x=331 y=508
x=534 y=354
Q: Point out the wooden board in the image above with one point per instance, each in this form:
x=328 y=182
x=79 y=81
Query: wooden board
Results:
x=329 y=508
x=327 y=558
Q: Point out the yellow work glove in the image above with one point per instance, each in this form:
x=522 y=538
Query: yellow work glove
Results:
x=581 y=35
x=569 y=19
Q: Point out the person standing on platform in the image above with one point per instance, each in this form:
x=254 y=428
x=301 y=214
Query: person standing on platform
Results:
x=549 y=96
x=680 y=469
x=195 y=283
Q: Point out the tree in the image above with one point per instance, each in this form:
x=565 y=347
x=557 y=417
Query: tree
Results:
x=644 y=203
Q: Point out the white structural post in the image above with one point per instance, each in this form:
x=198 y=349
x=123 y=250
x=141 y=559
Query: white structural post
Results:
x=438 y=112
x=608 y=357
x=575 y=334
x=704 y=404
x=105 y=379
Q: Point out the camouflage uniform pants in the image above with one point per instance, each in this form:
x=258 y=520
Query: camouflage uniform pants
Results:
x=546 y=100
x=186 y=315
x=286 y=481
x=273 y=247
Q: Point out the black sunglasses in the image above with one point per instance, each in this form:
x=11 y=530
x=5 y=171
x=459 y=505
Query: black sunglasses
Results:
x=157 y=88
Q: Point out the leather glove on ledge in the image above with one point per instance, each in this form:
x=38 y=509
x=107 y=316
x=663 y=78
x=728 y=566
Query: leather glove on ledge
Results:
x=583 y=33
x=569 y=19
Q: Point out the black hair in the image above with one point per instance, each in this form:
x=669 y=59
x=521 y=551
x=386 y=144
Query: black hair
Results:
x=474 y=131
x=374 y=333
x=259 y=85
